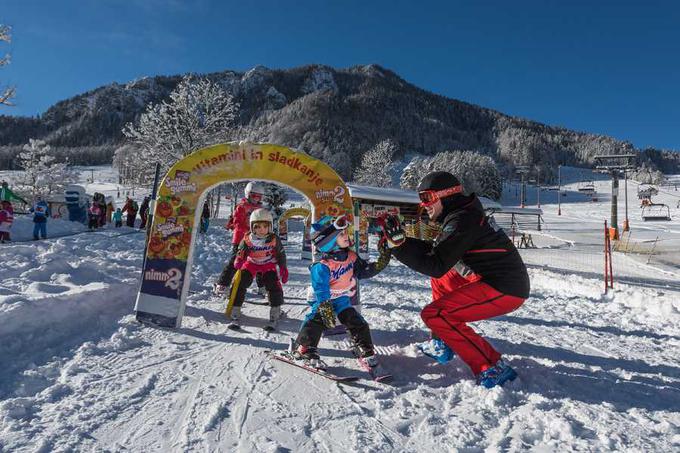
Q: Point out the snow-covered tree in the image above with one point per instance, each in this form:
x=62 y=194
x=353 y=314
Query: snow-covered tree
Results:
x=275 y=196
x=647 y=174
x=60 y=175
x=414 y=172
x=37 y=164
x=376 y=165
x=7 y=93
x=127 y=160
x=199 y=113
x=478 y=173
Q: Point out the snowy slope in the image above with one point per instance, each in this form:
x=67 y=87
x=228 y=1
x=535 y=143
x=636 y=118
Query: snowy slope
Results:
x=597 y=373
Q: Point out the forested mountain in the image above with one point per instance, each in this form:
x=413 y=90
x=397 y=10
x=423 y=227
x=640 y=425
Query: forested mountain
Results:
x=333 y=114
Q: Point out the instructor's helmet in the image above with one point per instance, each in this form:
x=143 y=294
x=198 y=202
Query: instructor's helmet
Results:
x=254 y=188
x=325 y=232
x=261 y=215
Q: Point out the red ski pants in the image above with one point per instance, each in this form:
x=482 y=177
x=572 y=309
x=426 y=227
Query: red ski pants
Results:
x=447 y=317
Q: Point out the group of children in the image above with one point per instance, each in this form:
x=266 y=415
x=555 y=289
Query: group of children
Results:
x=259 y=252
x=40 y=211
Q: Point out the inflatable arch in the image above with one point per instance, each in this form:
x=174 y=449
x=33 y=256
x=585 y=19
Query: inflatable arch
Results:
x=167 y=265
x=291 y=213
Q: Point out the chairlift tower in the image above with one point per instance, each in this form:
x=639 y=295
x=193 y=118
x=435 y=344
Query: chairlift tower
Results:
x=522 y=170
x=616 y=165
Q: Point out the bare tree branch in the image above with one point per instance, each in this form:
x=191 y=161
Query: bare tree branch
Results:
x=9 y=92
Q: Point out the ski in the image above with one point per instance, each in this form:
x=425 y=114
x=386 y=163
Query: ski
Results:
x=237 y=328
x=285 y=357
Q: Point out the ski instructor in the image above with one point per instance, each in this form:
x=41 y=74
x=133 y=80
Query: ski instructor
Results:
x=476 y=273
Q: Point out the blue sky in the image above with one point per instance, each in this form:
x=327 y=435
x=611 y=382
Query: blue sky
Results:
x=607 y=67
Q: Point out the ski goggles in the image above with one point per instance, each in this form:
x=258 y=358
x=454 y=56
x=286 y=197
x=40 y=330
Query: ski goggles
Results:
x=430 y=197
x=324 y=240
x=341 y=222
x=255 y=197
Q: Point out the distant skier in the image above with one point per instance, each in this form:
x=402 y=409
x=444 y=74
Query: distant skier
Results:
x=6 y=194
x=476 y=273
x=334 y=282
x=118 y=218
x=40 y=212
x=260 y=251
x=94 y=213
x=6 y=220
x=144 y=212
x=100 y=200
x=131 y=209
x=205 y=218
x=239 y=224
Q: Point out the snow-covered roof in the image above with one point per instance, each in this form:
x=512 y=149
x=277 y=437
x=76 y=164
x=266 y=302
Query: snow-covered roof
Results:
x=401 y=196
x=382 y=194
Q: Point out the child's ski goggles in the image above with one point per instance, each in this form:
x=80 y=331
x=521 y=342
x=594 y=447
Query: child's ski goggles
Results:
x=341 y=222
x=430 y=197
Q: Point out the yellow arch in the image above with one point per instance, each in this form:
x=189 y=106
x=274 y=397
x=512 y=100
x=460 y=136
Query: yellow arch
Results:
x=167 y=266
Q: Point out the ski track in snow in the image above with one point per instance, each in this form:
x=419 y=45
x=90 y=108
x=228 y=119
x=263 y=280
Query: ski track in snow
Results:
x=597 y=372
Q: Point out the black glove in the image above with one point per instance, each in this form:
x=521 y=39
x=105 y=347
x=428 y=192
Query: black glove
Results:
x=327 y=314
x=392 y=230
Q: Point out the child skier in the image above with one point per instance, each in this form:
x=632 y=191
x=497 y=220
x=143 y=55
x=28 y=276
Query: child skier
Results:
x=260 y=251
x=118 y=218
x=6 y=220
x=94 y=212
x=41 y=212
x=334 y=282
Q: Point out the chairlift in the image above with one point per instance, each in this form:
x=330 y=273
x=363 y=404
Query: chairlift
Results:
x=655 y=212
x=646 y=191
x=586 y=187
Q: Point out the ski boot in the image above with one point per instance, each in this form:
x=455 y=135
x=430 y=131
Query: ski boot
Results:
x=219 y=290
x=310 y=356
x=437 y=350
x=274 y=315
x=371 y=365
x=498 y=374
x=235 y=323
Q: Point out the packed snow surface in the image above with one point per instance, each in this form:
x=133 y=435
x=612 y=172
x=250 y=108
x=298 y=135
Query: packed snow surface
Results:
x=597 y=372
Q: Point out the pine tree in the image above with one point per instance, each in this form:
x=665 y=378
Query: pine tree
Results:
x=199 y=113
x=376 y=165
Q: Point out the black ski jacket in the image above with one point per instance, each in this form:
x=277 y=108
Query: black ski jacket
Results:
x=469 y=236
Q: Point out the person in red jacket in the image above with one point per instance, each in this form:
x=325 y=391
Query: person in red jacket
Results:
x=6 y=220
x=131 y=208
x=239 y=224
x=476 y=273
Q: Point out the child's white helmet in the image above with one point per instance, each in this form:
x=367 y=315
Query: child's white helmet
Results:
x=261 y=215
x=253 y=187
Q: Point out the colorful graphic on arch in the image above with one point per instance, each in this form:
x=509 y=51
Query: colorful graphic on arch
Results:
x=176 y=218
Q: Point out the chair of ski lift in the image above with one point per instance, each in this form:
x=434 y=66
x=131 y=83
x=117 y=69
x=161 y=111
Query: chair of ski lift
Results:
x=586 y=187
x=656 y=212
